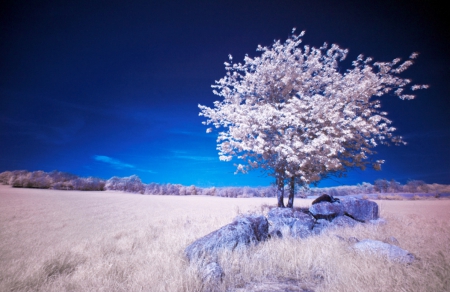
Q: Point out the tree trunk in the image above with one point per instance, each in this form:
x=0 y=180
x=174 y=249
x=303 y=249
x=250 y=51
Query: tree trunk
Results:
x=280 y=191
x=291 y=192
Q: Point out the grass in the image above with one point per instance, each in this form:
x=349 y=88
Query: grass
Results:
x=391 y=197
x=111 y=241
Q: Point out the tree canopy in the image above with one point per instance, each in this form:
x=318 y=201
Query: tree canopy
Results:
x=292 y=112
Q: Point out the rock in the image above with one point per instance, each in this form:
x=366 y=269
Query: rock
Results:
x=275 y=233
x=242 y=232
x=326 y=210
x=340 y=221
x=359 y=209
x=301 y=230
x=287 y=216
x=279 y=229
x=289 y=221
x=344 y=221
x=392 y=252
x=320 y=226
x=325 y=198
x=211 y=273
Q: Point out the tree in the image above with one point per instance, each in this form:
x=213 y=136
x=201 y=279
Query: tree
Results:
x=292 y=113
x=381 y=185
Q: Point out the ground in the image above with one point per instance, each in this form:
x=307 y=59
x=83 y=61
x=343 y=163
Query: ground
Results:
x=112 y=241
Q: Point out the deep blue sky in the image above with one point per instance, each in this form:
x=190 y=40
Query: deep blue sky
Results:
x=104 y=88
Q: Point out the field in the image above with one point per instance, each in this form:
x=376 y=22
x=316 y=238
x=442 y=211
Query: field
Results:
x=111 y=241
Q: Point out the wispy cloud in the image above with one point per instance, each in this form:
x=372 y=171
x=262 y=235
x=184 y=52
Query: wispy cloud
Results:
x=180 y=154
x=197 y=158
x=113 y=162
x=117 y=164
x=145 y=170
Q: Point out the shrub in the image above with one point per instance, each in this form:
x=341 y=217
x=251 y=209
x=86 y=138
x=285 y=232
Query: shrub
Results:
x=415 y=186
x=88 y=184
x=18 y=178
x=38 y=179
x=381 y=185
x=132 y=184
x=65 y=185
x=4 y=177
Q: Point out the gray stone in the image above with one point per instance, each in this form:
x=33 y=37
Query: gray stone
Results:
x=326 y=210
x=359 y=209
x=288 y=221
x=287 y=216
x=279 y=229
x=344 y=221
x=320 y=226
x=275 y=233
x=392 y=252
x=242 y=232
x=301 y=230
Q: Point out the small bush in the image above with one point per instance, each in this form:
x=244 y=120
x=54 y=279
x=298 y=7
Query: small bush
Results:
x=4 y=177
x=132 y=184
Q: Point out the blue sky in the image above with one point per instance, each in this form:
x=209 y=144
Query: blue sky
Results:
x=111 y=88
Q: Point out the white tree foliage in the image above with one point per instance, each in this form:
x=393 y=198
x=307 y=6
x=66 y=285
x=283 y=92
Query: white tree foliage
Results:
x=292 y=112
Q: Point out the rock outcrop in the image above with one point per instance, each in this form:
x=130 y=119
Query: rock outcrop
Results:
x=288 y=221
x=360 y=210
x=240 y=233
x=392 y=252
x=344 y=221
x=326 y=212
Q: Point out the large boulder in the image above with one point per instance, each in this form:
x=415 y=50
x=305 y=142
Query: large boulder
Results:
x=290 y=221
x=344 y=221
x=359 y=209
x=327 y=210
x=321 y=225
x=392 y=252
x=288 y=216
x=242 y=232
x=301 y=229
x=340 y=221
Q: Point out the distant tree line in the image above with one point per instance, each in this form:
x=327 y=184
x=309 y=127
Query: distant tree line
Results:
x=56 y=180
x=65 y=181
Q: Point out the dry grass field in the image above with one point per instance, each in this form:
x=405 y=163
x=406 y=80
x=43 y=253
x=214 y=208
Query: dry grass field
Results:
x=110 y=241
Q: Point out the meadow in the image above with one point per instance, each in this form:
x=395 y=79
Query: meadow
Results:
x=53 y=240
